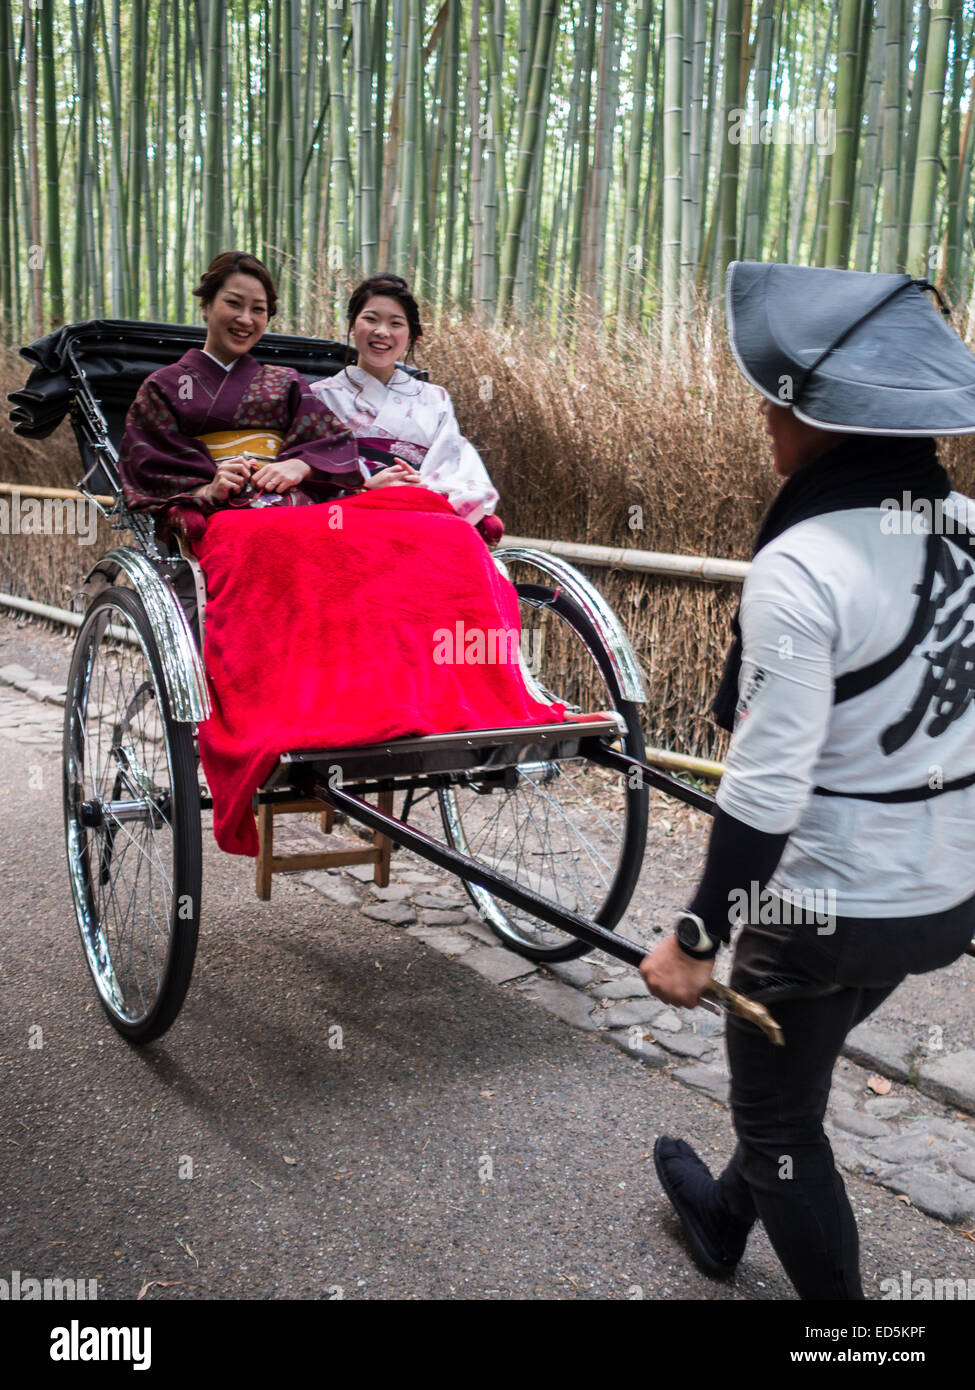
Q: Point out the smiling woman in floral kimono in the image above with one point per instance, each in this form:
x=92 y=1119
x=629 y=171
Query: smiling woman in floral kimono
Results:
x=390 y=411
x=216 y=421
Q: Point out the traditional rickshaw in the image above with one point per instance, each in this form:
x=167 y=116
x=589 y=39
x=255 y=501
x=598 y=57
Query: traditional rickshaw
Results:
x=545 y=825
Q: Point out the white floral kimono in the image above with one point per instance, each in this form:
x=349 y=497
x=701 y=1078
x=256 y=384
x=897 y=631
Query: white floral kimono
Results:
x=414 y=420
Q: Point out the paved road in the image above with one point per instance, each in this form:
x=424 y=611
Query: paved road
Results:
x=462 y=1143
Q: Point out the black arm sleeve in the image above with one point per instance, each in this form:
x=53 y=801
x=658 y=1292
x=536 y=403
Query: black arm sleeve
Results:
x=738 y=856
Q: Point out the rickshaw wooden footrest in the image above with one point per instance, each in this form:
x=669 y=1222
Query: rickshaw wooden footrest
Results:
x=268 y=863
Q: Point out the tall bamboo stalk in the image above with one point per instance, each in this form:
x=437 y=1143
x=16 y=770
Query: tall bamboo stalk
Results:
x=451 y=144
x=365 y=184
x=786 y=62
x=696 y=170
x=585 y=50
x=964 y=198
x=137 y=152
x=271 y=143
x=913 y=126
x=477 y=161
x=179 y=119
x=84 y=219
x=151 y=274
x=843 y=164
x=20 y=220
x=118 y=242
x=673 y=122
x=290 y=251
x=731 y=142
x=950 y=269
x=870 y=153
x=378 y=47
x=891 y=139
x=494 y=50
x=338 y=122
x=596 y=212
x=527 y=145
x=315 y=176
x=927 y=167
x=35 y=257
x=159 y=165
x=404 y=253
x=7 y=202
x=213 y=167
x=493 y=179
x=632 y=258
x=751 y=245
x=251 y=236
x=688 y=191
x=652 y=210
x=52 y=192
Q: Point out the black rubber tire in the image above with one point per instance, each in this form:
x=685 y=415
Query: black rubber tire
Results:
x=138 y=911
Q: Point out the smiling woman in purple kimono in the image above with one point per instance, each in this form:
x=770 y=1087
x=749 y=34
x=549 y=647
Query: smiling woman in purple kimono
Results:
x=216 y=422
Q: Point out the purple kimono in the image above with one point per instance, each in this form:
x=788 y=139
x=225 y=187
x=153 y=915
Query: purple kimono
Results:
x=161 y=461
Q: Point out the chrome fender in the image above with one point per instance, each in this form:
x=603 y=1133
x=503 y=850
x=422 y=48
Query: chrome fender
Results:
x=597 y=610
x=183 y=671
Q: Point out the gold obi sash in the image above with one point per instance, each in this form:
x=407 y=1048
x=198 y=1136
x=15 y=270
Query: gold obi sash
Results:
x=252 y=444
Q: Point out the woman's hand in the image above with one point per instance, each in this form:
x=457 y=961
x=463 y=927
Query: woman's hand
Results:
x=230 y=477
x=281 y=477
x=398 y=472
x=675 y=977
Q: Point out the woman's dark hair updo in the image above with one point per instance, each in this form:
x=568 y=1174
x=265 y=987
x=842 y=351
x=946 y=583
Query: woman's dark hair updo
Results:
x=236 y=263
x=392 y=287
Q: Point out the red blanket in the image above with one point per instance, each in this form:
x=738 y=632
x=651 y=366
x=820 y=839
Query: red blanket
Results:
x=376 y=617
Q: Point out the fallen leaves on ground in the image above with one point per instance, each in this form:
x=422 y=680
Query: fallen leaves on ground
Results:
x=157 y=1284
x=183 y=1246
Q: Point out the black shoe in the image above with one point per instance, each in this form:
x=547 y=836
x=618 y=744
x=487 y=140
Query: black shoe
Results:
x=717 y=1241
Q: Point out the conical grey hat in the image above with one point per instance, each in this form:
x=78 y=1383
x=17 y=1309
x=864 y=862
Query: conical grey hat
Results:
x=850 y=350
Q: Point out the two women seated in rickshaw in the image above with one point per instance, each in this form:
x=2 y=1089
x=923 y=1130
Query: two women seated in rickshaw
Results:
x=321 y=621
x=217 y=429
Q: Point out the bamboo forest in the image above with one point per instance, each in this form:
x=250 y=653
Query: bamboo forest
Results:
x=509 y=158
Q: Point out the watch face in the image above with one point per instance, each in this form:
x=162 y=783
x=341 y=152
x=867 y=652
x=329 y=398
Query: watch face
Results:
x=691 y=933
x=688 y=933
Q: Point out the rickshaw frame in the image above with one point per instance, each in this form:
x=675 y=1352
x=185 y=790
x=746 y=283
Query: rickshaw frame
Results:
x=165 y=584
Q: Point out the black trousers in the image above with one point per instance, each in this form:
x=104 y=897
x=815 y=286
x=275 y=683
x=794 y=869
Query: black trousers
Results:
x=819 y=984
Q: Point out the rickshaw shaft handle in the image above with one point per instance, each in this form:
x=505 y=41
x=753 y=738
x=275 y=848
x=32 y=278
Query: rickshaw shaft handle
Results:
x=562 y=917
x=479 y=874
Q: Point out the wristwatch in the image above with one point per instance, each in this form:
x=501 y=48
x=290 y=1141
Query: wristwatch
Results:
x=693 y=937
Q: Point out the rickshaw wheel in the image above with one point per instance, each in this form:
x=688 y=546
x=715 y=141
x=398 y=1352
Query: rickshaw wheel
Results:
x=571 y=831
x=132 y=820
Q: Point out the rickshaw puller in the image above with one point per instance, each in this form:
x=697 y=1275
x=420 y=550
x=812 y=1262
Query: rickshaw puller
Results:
x=849 y=688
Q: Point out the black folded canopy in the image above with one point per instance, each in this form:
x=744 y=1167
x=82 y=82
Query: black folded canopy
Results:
x=849 y=350
x=117 y=355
